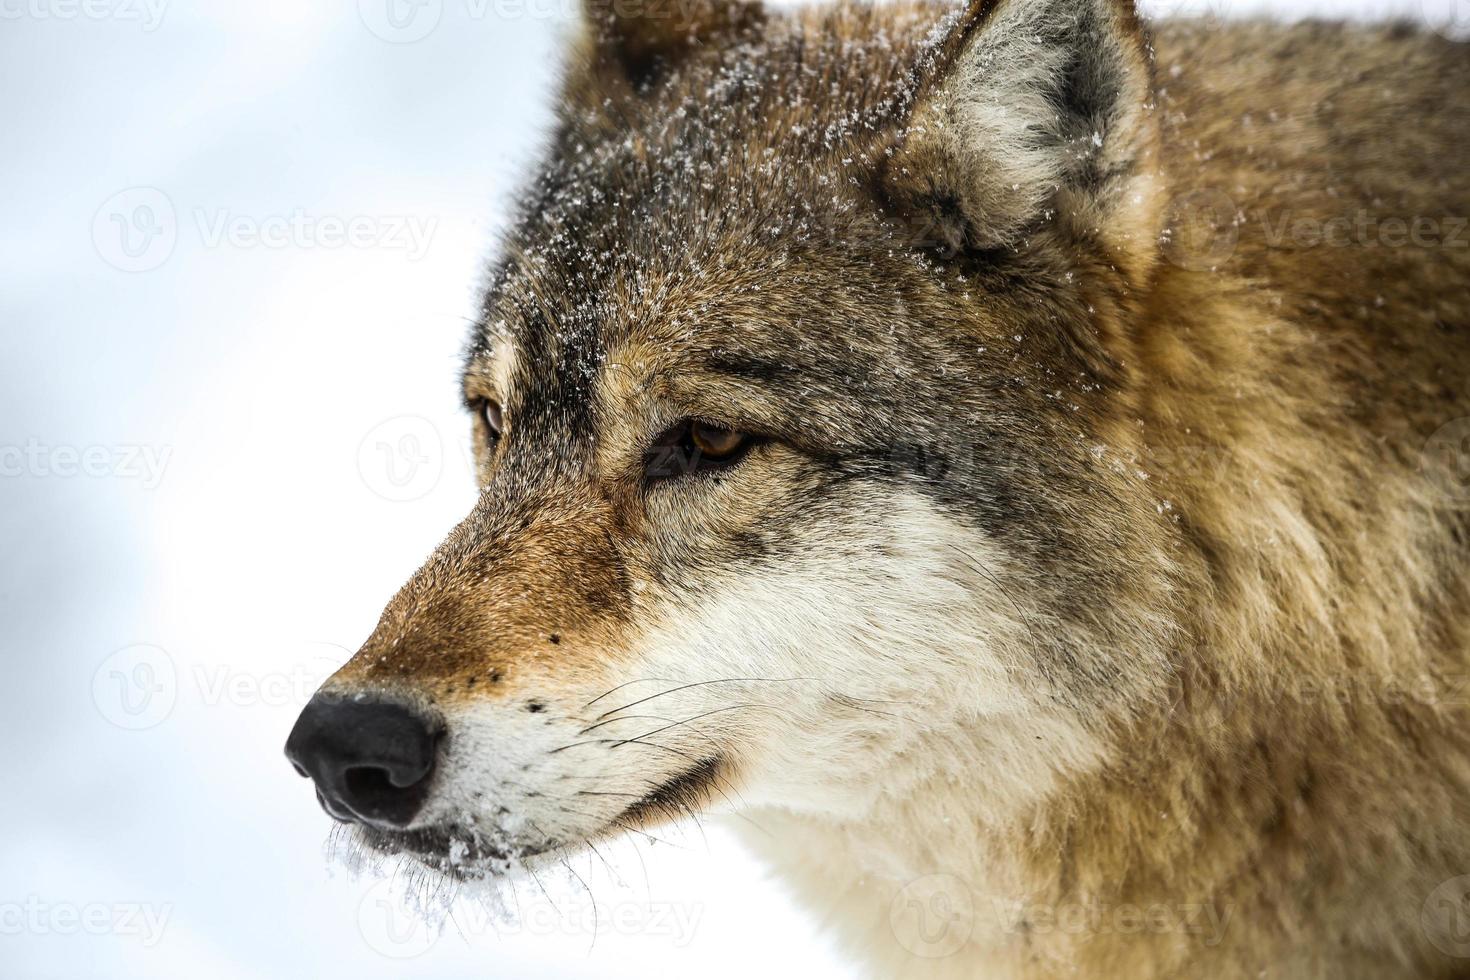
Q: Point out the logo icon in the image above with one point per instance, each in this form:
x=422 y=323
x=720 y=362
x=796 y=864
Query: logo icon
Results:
x=1200 y=230
x=1456 y=26
x=401 y=459
x=401 y=21
x=136 y=230
x=1446 y=458
x=1445 y=917
x=933 y=916
x=391 y=929
x=136 y=687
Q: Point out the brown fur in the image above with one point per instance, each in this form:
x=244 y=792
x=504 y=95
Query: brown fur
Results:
x=1211 y=465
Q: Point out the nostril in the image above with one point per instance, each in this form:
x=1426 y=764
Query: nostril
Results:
x=384 y=795
x=366 y=782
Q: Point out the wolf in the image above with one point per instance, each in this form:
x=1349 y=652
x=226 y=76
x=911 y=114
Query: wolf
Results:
x=1013 y=453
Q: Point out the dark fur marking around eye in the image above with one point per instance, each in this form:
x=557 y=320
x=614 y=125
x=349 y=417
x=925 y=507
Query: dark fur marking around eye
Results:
x=753 y=369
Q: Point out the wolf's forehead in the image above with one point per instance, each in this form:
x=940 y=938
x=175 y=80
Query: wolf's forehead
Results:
x=614 y=259
x=687 y=219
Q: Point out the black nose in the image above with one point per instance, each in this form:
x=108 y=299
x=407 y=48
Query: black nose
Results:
x=370 y=759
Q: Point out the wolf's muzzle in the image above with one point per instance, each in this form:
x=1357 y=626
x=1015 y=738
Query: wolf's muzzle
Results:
x=370 y=759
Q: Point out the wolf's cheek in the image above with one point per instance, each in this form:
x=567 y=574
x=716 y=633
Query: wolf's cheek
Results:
x=869 y=645
x=880 y=629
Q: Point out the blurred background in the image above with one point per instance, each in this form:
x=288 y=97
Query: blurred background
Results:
x=240 y=247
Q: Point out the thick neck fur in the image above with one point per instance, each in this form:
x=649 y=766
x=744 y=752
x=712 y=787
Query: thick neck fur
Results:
x=1291 y=805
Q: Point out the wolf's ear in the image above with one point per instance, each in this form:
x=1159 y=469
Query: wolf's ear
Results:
x=645 y=38
x=1029 y=111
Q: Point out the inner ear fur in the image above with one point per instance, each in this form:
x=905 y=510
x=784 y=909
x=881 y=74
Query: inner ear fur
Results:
x=1031 y=112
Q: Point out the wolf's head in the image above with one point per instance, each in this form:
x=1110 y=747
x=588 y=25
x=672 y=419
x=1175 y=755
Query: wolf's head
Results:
x=802 y=404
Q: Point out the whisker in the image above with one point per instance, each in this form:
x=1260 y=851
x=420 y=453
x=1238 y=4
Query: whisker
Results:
x=625 y=741
x=741 y=816
x=611 y=871
x=590 y=792
x=610 y=721
x=722 y=680
x=616 y=822
x=590 y=898
x=537 y=879
x=641 y=680
x=714 y=711
x=995 y=580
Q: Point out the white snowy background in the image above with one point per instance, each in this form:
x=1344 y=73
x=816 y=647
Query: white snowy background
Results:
x=239 y=243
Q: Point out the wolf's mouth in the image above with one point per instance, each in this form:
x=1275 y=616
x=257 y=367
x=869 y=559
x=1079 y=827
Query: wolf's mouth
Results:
x=447 y=849
x=464 y=853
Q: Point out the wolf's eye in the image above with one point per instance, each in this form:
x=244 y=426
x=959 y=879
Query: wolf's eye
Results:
x=493 y=418
x=713 y=442
x=694 y=447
